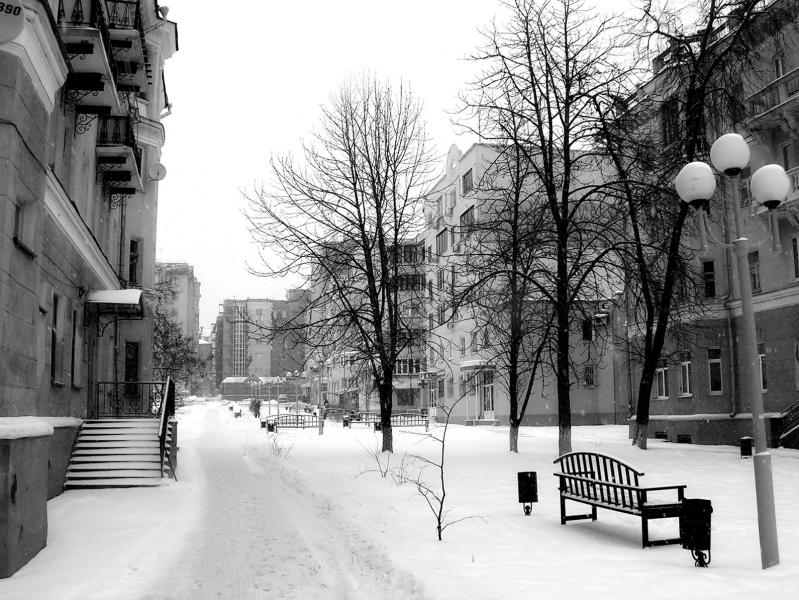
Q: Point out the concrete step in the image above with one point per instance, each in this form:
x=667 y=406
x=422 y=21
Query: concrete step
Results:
x=117 y=474
x=77 y=484
x=109 y=465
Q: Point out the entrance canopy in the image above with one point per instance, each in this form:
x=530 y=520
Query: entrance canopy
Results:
x=123 y=304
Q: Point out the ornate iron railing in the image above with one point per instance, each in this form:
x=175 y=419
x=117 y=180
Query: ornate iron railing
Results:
x=89 y=13
x=118 y=131
x=130 y=398
x=123 y=14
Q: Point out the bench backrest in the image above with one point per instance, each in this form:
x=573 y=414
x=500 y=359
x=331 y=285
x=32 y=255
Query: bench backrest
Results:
x=601 y=469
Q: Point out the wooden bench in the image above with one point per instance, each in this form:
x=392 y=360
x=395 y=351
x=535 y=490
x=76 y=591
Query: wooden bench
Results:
x=602 y=481
x=294 y=421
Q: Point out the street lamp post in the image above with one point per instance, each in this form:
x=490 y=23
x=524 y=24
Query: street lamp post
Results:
x=770 y=185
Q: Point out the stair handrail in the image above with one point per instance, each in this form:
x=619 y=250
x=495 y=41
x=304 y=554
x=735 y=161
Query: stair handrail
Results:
x=167 y=409
x=790 y=418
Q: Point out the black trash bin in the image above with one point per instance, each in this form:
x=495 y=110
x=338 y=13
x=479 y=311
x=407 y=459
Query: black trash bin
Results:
x=263 y=424
x=345 y=421
x=695 y=529
x=528 y=490
x=746 y=446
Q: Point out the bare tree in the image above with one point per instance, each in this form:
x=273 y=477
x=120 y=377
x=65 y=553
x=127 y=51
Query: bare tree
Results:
x=544 y=70
x=340 y=220
x=414 y=466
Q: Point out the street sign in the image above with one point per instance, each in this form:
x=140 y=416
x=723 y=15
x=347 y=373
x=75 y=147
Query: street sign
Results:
x=12 y=20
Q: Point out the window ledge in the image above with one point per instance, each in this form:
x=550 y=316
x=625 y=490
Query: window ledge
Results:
x=686 y=396
x=55 y=383
x=24 y=247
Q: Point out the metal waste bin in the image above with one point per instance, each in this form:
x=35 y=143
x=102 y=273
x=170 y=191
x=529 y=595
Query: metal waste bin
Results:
x=528 y=490
x=263 y=424
x=746 y=446
x=695 y=529
x=345 y=421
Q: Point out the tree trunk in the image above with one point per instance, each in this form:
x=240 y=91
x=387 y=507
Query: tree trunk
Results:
x=384 y=390
x=514 y=438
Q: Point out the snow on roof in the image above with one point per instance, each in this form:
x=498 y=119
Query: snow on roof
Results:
x=13 y=428
x=234 y=380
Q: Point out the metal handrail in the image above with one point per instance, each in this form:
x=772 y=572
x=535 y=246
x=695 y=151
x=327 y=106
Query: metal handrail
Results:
x=167 y=409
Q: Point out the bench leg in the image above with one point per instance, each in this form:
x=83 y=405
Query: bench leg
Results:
x=562 y=510
x=593 y=513
x=644 y=532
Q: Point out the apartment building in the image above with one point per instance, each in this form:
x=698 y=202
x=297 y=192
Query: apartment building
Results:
x=181 y=296
x=82 y=96
x=700 y=394
x=462 y=371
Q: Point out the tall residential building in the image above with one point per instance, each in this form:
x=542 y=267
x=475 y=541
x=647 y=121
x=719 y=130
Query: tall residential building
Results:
x=700 y=390
x=82 y=95
x=288 y=348
x=182 y=297
x=240 y=351
x=463 y=369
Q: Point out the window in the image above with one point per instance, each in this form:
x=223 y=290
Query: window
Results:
x=487 y=391
x=441 y=279
x=670 y=121
x=795 y=255
x=714 y=370
x=453 y=278
x=441 y=241
x=430 y=289
x=24 y=227
x=134 y=264
x=779 y=66
x=787 y=156
x=761 y=352
x=463 y=346
x=441 y=314
x=685 y=373
x=709 y=274
x=588 y=330
x=467 y=182
x=430 y=322
x=440 y=389
x=473 y=345
x=662 y=382
x=754 y=270
x=589 y=376
x=467 y=222
x=76 y=352
x=56 y=343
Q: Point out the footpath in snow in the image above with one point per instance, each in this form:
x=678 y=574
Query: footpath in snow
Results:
x=320 y=522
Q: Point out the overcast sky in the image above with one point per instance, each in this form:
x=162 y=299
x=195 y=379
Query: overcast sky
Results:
x=247 y=82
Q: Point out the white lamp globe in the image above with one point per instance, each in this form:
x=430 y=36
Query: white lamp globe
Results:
x=730 y=153
x=695 y=184
x=770 y=186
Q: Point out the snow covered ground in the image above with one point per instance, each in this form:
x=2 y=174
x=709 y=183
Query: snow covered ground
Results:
x=321 y=522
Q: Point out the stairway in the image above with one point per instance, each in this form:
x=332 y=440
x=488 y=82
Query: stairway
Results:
x=113 y=453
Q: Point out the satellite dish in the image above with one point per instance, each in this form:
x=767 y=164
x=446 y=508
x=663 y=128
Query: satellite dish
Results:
x=156 y=171
x=12 y=20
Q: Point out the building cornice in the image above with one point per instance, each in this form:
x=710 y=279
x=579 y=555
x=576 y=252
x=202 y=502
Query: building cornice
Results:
x=39 y=49
x=66 y=216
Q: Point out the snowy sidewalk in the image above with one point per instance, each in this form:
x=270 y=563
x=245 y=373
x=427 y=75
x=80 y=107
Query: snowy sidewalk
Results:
x=227 y=529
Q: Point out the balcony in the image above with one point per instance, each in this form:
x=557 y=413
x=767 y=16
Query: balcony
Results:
x=118 y=157
x=776 y=103
x=127 y=44
x=92 y=82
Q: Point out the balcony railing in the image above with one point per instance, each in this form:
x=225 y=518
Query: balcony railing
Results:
x=118 y=131
x=86 y=14
x=775 y=93
x=130 y=398
x=124 y=14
